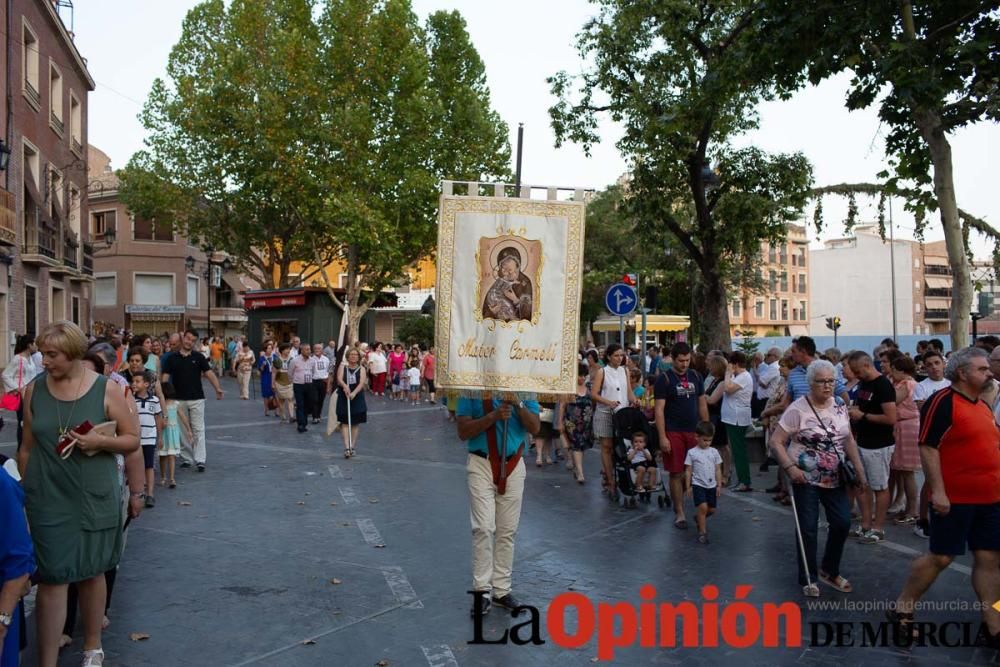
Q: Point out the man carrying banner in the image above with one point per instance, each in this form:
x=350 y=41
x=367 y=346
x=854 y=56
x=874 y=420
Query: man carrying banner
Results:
x=495 y=431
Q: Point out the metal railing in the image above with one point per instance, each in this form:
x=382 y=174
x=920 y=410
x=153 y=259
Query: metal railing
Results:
x=38 y=240
x=88 y=259
x=938 y=291
x=937 y=269
x=57 y=122
x=8 y=216
x=32 y=93
x=69 y=255
x=936 y=314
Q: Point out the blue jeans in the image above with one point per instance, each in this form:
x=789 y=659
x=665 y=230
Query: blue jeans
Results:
x=808 y=498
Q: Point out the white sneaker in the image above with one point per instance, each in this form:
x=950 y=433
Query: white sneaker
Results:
x=93 y=658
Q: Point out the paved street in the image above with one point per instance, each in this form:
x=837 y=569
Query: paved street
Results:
x=283 y=553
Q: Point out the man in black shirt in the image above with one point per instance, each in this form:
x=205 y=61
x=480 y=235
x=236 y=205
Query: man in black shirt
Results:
x=873 y=417
x=184 y=369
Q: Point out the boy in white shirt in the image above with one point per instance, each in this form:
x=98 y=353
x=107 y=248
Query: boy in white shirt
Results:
x=413 y=379
x=703 y=477
x=150 y=425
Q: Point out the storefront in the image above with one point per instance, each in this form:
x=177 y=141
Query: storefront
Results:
x=306 y=312
x=153 y=320
x=660 y=329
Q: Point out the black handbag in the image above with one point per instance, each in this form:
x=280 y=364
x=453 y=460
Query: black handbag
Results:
x=845 y=468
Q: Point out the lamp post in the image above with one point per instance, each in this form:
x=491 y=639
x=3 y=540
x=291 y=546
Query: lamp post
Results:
x=226 y=265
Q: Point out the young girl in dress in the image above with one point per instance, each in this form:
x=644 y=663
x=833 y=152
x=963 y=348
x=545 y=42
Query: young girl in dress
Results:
x=170 y=446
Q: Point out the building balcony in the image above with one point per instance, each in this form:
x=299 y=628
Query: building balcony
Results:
x=938 y=292
x=8 y=218
x=76 y=146
x=57 y=123
x=935 y=314
x=87 y=267
x=40 y=245
x=32 y=94
x=937 y=270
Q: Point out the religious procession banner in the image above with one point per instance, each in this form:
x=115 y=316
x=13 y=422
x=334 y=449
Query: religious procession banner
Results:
x=508 y=294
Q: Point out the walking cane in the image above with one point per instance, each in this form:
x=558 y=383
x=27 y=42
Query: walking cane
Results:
x=802 y=546
x=347 y=397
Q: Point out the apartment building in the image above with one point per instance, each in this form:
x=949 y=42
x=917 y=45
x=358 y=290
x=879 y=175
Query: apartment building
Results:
x=783 y=307
x=149 y=279
x=44 y=248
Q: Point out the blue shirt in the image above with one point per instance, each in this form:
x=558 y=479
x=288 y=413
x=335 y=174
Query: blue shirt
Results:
x=797 y=385
x=473 y=407
x=16 y=554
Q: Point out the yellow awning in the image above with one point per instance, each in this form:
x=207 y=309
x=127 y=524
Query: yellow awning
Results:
x=936 y=260
x=938 y=282
x=937 y=303
x=654 y=323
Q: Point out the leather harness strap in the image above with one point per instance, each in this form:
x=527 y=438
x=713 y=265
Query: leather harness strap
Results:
x=500 y=481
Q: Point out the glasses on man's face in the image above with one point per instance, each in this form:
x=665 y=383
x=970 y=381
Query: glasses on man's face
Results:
x=824 y=382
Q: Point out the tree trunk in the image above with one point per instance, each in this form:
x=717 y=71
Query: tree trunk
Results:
x=713 y=312
x=944 y=189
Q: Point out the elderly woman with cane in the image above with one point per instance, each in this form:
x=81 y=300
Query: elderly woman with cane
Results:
x=814 y=446
x=351 y=408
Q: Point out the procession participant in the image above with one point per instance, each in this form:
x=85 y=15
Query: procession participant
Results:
x=960 y=455
x=301 y=370
x=244 y=367
x=185 y=370
x=321 y=380
x=76 y=529
x=611 y=391
x=495 y=494
x=352 y=411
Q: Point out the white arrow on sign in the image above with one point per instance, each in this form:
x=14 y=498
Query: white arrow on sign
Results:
x=622 y=297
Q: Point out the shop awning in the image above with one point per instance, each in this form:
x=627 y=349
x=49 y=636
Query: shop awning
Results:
x=937 y=282
x=936 y=260
x=654 y=323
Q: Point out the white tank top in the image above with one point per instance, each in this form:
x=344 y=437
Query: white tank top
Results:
x=615 y=387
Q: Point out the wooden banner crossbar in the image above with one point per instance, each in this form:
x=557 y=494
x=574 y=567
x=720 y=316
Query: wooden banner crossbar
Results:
x=500 y=190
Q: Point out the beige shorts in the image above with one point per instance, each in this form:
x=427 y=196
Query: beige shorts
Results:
x=876 y=463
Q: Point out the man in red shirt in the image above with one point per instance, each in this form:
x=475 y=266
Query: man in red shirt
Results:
x=960 y=452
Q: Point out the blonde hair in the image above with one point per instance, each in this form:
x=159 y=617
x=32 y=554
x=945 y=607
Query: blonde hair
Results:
x=65 y=337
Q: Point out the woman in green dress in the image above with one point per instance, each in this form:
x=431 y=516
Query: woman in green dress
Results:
x=74 y=505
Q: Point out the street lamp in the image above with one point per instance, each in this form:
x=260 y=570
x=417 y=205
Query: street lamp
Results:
x=7 y=259
x=110 y=235
x=226 y=265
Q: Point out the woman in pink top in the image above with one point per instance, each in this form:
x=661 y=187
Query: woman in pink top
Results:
x=906 y=457
x=397 y=360
x=427 y=372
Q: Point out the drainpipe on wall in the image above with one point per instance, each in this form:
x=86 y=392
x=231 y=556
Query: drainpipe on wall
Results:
x=10 y=100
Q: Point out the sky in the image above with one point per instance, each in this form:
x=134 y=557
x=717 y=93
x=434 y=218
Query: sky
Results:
x=127 y=42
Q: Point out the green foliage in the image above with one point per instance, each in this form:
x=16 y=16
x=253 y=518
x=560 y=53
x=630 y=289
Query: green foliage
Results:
x=291 y=130
x=416 y=329
x=747 y=343
x=683 y=79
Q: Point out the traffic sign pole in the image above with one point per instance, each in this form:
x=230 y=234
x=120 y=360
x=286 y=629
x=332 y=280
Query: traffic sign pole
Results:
x=621 y=331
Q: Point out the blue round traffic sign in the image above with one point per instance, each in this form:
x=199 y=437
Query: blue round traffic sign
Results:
x=621 y=299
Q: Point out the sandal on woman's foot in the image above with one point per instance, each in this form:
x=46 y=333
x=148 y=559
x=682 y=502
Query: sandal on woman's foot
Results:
x=839 y=583
x=172 y=484
x=65 y=641
x=810 y=591
x=681 y=524
x=347 y=453
x=743 y=488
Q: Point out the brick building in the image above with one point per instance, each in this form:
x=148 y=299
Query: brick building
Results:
x=141 y=268
x=44 y=249
x=783 y=305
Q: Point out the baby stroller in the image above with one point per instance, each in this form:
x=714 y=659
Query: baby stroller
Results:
x=626 y=422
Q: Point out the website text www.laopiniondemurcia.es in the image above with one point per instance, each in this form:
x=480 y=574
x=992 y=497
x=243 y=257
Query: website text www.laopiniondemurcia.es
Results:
x=707 y=623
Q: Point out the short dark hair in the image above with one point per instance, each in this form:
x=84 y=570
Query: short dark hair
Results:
x=889 y=342
x=936 y=344
x=640 y=434
x=859 y=357
x=738 y=357
x=284 y=346
x=581 y=369
x=147 y=376
x=806 y=344
x=680 y=348
x=96 y=359
x=988 y=342
x=168 y=390
x=191 y=332
x=137 y=350
x=706 y=429
x=891 y=355
x=932 y=353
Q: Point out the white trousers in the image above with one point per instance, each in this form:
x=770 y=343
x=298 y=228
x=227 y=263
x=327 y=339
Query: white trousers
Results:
x=195 y=413
x=494 y=520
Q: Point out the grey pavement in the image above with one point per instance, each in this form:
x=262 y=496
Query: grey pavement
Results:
x=284 y=553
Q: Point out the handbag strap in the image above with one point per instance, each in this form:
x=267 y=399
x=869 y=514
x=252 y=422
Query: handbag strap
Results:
x=820 y=420
x=20 y=372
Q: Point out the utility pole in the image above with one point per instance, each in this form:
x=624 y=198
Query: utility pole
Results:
x=892 y=270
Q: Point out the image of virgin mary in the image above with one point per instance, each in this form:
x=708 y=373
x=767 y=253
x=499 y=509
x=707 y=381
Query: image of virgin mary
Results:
x=511 y=296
